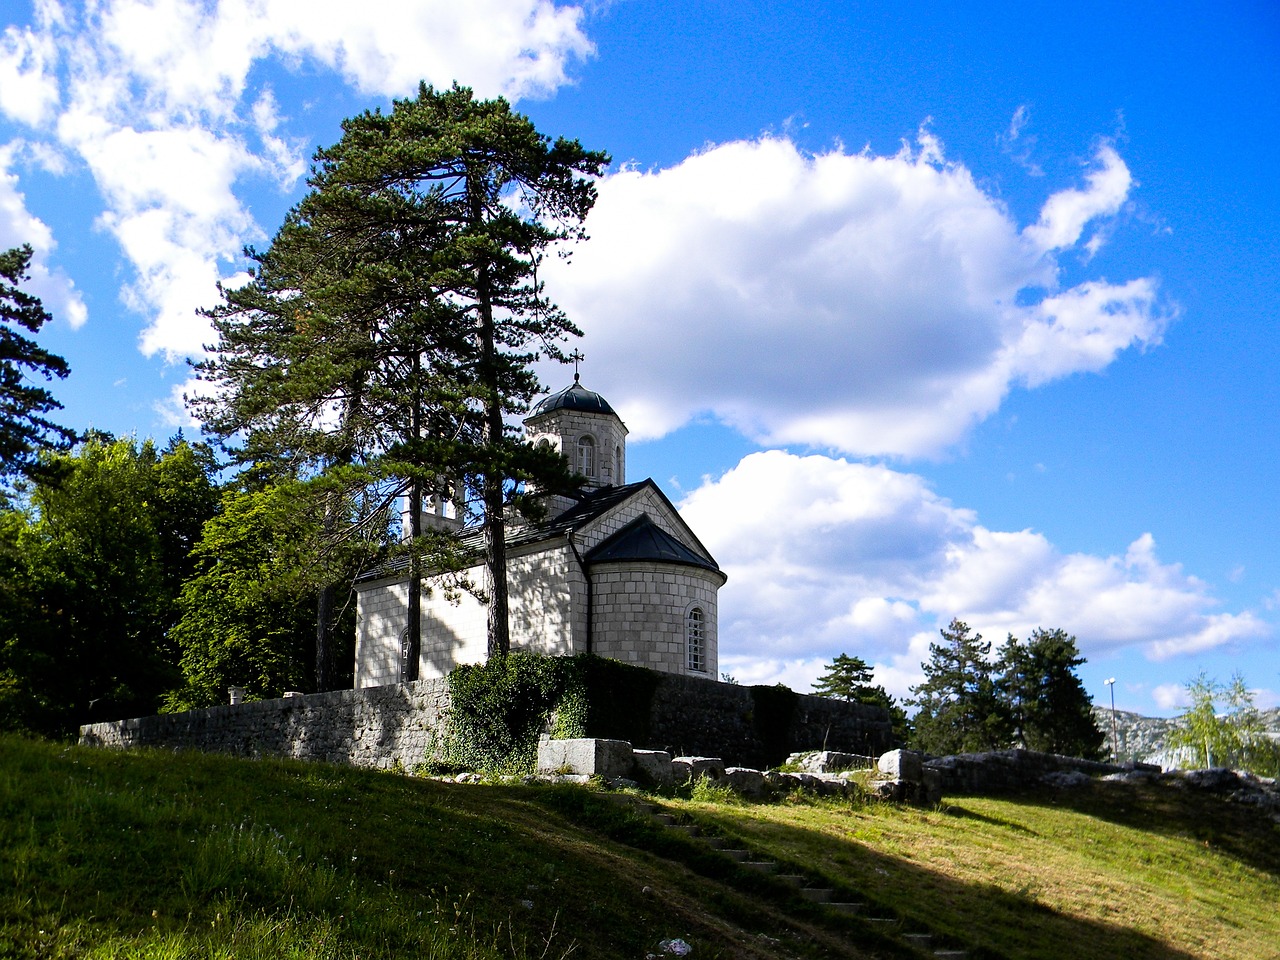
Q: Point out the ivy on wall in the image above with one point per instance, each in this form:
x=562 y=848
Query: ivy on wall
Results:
x=501 y=707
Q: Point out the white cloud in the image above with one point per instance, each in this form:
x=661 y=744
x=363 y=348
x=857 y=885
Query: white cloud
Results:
x=872 y=305
x=18 y=226
x=826 y=556
x=158 y=99
x=1066 y=213
x=28 y=82
x=1169 y=696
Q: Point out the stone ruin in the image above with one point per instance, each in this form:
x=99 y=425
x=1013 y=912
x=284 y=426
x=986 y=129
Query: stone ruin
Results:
x=897 y=775
x=901 y=776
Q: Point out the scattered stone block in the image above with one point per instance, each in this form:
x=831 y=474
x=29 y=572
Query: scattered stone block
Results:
x=747 y=782
x=828 y=761
x=900 y=765
x=586 y=756
x=691 y=768
x=652 y=767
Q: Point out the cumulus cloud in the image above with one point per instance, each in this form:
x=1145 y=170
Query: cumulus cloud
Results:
x=868 y=304
x=1066 y=214
x=827 y=556
x=18 y=226
x=158 y=99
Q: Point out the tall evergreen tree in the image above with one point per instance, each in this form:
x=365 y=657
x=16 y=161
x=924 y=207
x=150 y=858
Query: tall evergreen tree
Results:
x=1048 y=706
x=25 y=429
x=389 y=329
x=959 y=708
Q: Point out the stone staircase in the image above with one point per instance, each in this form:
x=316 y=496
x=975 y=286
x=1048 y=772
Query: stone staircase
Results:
x=922 y=942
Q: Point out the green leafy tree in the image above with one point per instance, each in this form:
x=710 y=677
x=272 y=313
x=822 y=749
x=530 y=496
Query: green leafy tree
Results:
x=959 y=709
x=390 y=328
x=95 y=560
x=247 y=613
x=25 y=429
x=1222 y=727
x=1047 y=704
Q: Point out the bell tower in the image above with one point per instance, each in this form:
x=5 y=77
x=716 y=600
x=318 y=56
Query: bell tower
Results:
x=580 y=425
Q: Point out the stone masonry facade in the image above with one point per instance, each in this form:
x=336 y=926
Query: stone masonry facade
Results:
x=547 y=592
x=404 y=725
x=643 y=608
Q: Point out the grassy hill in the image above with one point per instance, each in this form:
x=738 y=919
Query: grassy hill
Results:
x=162 y=855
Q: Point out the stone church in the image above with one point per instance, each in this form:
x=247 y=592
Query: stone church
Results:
x=615 y=571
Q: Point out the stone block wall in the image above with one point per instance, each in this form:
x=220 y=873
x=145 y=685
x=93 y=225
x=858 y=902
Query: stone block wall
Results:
x=746 y=726
x=639 y=610
x=404 y=723
x=1003 y=771
x=374 y=727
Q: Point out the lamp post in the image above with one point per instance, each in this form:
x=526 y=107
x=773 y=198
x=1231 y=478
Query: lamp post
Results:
x=1115 y=743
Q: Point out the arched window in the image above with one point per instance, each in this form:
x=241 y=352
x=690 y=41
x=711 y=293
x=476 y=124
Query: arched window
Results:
x=617 y=465
x=695 y=631
x=587 y=457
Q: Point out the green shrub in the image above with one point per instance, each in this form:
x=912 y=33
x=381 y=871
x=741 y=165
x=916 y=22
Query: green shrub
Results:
x=501 y=707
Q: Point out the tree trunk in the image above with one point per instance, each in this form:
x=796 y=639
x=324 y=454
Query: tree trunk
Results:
x=413 y=633
x=495 y=537
x=324 y=639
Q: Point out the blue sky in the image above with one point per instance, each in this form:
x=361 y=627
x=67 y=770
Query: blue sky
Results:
x=916 y=310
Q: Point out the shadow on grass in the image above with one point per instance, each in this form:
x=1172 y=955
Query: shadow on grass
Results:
x=988 y=920
x=991 y=821
x=1243 y=832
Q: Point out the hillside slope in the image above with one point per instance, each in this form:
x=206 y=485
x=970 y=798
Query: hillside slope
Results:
x=158 y=855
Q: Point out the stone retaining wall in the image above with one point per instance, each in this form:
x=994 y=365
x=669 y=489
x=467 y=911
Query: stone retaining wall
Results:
x=756 y=726
x=373 y=727
x=404 y=723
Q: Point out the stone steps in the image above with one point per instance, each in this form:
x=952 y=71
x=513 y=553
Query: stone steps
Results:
x=821 y=896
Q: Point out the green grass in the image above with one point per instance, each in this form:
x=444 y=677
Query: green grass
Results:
x=153 y=855
x=1117 y=870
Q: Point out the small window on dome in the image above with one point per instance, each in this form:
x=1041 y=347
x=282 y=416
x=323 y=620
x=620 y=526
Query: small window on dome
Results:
x=587 y=457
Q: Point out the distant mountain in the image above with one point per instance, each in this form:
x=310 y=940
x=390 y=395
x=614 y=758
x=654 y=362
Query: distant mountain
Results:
x=1144 y=739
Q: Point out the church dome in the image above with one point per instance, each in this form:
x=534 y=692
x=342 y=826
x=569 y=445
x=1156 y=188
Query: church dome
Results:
x=573 y=397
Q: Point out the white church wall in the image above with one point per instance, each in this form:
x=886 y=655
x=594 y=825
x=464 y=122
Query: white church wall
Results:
x=639 y=610
x=545 y=587
x=546 y=597
x=381 y=617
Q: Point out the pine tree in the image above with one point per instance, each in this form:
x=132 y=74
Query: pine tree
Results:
x=1048 y=706
x=25 y=430
x=389 y=330
x=844 y=678
x=959 y=708
x=849 y=678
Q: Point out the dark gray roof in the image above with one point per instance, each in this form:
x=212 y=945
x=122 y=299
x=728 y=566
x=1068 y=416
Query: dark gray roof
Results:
x=591 y=504
x=642 y=539
x=573 y=397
